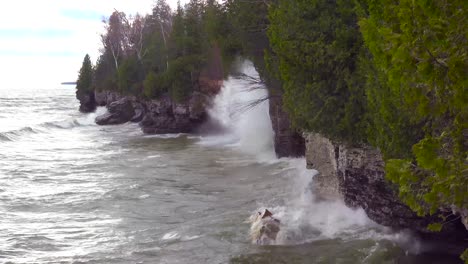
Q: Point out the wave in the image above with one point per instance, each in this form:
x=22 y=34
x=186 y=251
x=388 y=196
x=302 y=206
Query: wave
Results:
x=305 y=219
x=167 y=136
x=14 y=135
x=80 y=121
x=87 y=120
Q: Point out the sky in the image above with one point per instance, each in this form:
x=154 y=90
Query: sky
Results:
x=44 y=42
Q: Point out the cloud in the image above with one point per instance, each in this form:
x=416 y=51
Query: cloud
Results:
x=48 y=39
x=8 y=33
x=81 y=14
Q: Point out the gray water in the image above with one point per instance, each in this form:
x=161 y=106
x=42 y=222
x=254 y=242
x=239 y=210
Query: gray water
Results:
x=75 y=192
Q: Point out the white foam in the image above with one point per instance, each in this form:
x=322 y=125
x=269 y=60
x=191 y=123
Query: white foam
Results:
x=305 y=219
x=247 y=127
x=144 y=196
x=166 y=136
x=171 y=236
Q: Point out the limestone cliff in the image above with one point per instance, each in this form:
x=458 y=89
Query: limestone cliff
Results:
x=288 y=142
x=356 y=175
x=160 y=116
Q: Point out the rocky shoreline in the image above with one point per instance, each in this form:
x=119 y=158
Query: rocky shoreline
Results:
x=160 y=116
x=354 y=175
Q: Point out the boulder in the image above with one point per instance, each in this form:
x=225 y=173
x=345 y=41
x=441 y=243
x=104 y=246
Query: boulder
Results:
x=158 y=116
x=119 y=112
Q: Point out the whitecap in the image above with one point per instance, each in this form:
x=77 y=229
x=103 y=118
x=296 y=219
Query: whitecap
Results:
x=171 y=236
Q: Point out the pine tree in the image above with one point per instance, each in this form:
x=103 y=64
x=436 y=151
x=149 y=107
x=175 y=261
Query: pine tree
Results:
x=85 y=77
x=318 y=48
x=420 y=53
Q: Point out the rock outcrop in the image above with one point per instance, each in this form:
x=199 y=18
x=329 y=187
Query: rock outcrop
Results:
x=119 y=112
x=87 y=101
x=288 y=142
x=159 y=116
x=356 y=175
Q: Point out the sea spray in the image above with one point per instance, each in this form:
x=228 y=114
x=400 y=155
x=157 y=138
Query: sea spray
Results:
x=242 y=110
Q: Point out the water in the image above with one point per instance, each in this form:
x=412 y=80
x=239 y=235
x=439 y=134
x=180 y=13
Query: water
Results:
x=74 y=192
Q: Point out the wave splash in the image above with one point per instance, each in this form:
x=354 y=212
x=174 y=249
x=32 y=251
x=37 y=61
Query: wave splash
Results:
x=242 y=110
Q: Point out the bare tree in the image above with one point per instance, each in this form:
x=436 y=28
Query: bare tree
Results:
x=136 y=35
x=162 y=15
x=114 y=39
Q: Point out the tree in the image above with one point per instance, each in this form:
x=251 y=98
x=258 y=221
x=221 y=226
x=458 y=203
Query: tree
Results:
x=136 y=36
x=162 y=16
x=318 y=46
x=117 y=38
x=85 y=77
x=420 y=53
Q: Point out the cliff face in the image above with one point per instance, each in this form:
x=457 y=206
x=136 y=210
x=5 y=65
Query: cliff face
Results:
x=357 y=176
x=87 y=101
x=154 y=116
x=288 y=142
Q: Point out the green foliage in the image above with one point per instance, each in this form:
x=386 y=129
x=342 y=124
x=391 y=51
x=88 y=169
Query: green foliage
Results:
x=392 y=73
x=129 y=76
x=249 y=21
x=318 y=46
x=85 y=77
x=418 y=98
x=153 y=86
x=464 y=256
x=105 y=75
x=179 y=77
x=435 y=227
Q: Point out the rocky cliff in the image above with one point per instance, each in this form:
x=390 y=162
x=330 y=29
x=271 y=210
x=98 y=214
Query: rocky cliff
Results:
x=87 y=101
x=356 y=175
x=160 y=116
x=288 y=142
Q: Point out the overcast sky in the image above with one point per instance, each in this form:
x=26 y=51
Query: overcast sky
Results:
x=44 y=42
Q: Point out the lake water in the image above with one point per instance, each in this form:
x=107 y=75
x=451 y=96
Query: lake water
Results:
x=75 y=192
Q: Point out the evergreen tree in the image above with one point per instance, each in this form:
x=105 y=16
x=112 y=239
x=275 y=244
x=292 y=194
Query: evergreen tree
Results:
x=85 y=77
x=318 y=46
x=420 y=54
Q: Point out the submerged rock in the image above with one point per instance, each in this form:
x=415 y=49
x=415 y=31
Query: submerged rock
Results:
x=356 y=176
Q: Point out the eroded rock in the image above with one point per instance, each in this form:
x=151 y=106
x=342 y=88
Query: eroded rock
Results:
x=356 y=176
x=87 y=101
x=158 y=116
x=119 y=112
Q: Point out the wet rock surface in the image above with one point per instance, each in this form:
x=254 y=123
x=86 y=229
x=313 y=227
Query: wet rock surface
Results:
x=119 y=112
x=160 y=116
x=356 y=175
x=87 y=101
x=288 y=142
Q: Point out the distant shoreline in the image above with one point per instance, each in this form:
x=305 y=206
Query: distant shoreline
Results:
x=68 y=83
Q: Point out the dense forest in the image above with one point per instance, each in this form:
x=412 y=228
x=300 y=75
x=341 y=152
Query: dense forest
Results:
x=392 y=74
